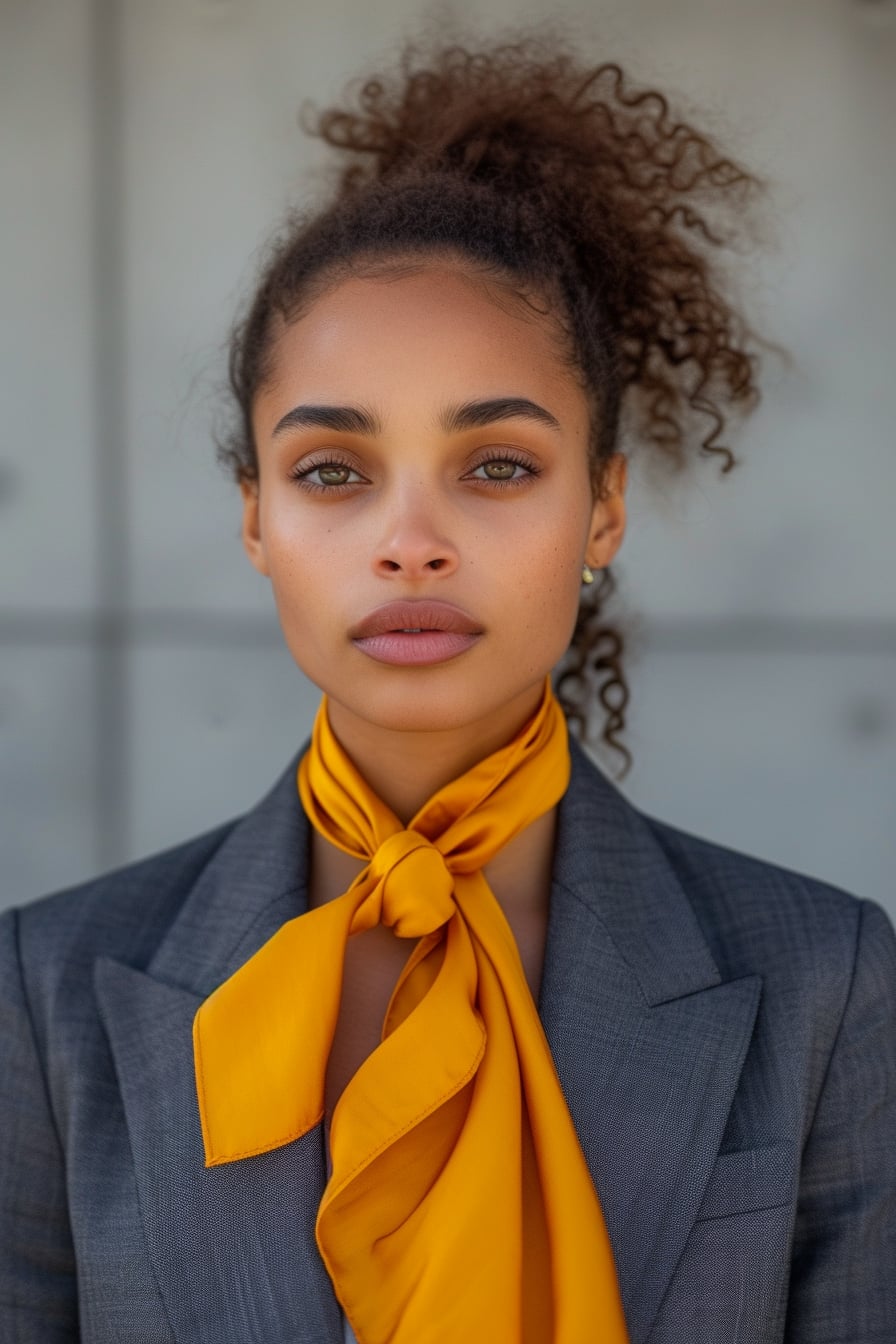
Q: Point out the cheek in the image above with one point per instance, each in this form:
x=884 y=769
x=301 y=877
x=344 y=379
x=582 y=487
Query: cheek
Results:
x=557 y=585
x=300 y=550
x=556 y=551
x=549 y=593
x=300 y=588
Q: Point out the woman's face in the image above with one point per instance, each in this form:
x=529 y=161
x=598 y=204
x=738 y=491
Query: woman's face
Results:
x=421 y=441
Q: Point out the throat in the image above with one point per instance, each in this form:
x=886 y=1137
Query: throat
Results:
x=520 y=873
x=406 y=767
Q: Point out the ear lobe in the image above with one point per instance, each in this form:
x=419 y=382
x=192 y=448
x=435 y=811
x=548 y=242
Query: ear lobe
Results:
x=251 y=528
x=608 y=514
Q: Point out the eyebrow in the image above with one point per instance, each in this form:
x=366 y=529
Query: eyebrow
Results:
x=475 y=414
x=342 y=419
x=469 y=415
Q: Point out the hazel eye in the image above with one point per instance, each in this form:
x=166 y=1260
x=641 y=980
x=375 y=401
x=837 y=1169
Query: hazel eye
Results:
x=334 y=475
x=502 y=469
x=327 y=475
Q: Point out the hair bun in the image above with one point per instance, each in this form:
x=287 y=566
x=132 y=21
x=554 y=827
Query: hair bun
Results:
x=500 y=115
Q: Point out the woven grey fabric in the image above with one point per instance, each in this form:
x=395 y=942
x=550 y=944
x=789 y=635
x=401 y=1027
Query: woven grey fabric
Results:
x=724 y=1031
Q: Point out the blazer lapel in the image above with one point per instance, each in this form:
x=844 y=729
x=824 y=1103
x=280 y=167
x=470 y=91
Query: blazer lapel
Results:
x=648 y=1041
x=232 y=1247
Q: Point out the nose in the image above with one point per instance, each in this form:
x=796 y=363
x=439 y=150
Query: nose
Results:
x=413 y=544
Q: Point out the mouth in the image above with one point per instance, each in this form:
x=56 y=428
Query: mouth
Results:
x=416 y=633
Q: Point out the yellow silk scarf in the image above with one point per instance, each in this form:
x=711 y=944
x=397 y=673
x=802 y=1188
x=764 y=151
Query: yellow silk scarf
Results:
x=460 y=1207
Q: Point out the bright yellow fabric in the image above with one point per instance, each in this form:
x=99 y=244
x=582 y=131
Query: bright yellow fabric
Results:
x=460 y=1207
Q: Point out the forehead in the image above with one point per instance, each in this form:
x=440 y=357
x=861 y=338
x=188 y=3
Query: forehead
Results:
x=415 y=335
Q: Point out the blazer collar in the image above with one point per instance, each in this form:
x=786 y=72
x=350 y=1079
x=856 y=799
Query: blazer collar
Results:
x=648 y=1040
x=608 y=858
x=255 y=882
x=641 y=1027
x=230 y=1244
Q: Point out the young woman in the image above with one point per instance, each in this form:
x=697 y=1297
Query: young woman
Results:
x=445 y=1040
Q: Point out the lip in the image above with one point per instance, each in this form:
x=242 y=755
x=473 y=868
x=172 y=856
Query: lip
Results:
x=419 y=613
x=416 y=633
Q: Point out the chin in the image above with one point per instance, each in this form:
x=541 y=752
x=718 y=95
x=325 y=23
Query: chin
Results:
x=440 y=700
x=417 y=709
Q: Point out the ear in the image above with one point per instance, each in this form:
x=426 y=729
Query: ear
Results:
x=608 y=514
x=251 y=529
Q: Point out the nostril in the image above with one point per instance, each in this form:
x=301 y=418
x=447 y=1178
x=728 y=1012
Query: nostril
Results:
x=436 y=564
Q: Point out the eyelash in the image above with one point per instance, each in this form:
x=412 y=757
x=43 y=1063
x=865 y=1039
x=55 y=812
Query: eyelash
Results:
x=301 y=475
x=517 y=459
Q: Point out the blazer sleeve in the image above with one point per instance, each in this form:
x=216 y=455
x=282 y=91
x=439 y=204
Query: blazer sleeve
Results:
x=843 y=1278
x=38 y=1296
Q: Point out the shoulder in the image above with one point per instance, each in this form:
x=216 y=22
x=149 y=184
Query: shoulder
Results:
x=826 y=958
x=124 y=913
x=749 y=907
x=825 y=961
x=52 y=945
x=49 y=950
x=756 y=916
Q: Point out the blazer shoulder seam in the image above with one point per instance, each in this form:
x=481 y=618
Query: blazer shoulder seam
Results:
x=28 y=1012
x=847 y=997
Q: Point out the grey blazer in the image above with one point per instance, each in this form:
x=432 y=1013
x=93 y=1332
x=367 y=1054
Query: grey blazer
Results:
x=724 y=1031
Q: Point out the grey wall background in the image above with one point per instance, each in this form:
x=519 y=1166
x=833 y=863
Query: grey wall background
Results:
x=148 y=148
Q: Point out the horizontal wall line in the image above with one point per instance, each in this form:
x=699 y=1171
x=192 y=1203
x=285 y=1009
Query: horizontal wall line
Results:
x=214 y=630
x=151 y=627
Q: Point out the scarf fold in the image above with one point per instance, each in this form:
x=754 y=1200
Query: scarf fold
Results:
x=459 y=1206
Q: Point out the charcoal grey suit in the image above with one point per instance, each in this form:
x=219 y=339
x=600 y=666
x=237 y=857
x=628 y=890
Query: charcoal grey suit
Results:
x=724 y=1031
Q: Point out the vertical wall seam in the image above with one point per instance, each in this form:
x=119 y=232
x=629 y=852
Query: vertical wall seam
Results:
x=112 y=777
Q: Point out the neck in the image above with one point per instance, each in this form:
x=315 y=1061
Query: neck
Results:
x=405 y=769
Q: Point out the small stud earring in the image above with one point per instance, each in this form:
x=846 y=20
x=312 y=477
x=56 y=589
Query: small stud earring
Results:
x=587 y=576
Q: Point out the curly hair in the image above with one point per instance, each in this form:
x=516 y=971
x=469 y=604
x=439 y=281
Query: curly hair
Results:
x=586 y=195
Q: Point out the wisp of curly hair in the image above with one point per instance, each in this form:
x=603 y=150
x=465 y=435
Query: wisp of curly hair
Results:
x=586 y=197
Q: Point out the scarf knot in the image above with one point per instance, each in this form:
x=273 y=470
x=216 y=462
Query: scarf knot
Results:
x=414 y=889
x=459 y=1205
